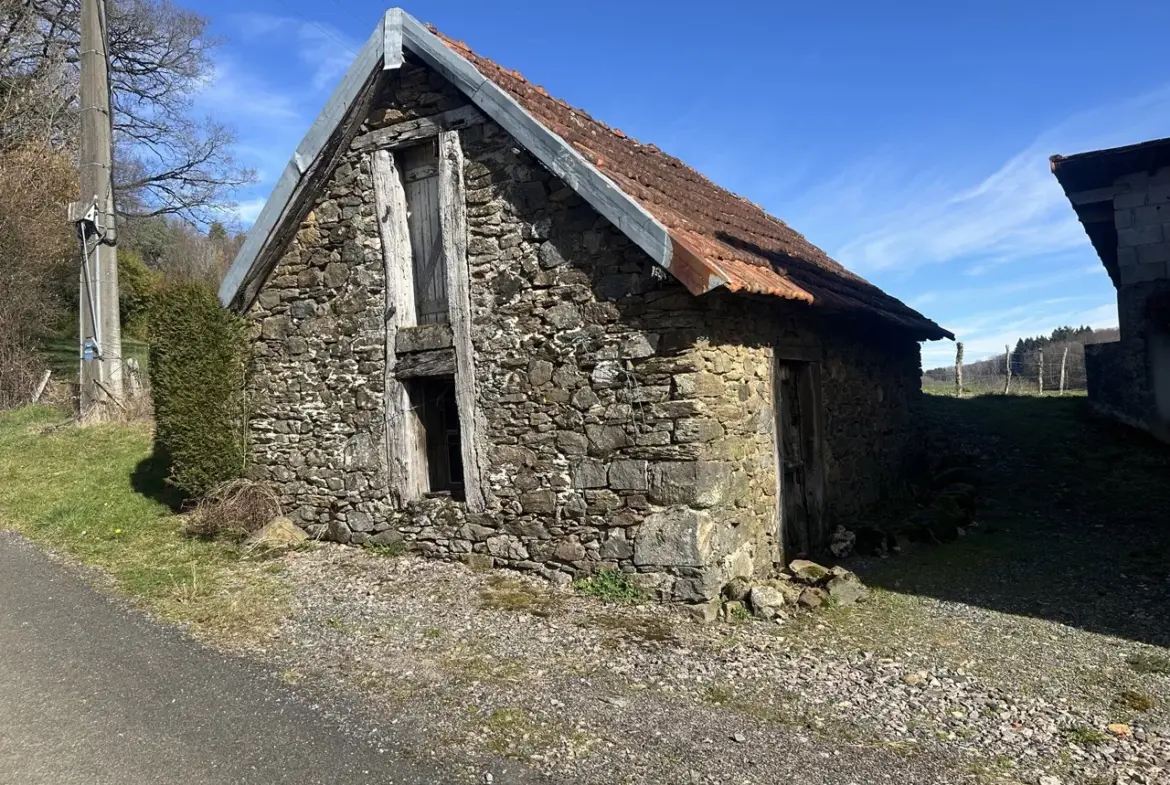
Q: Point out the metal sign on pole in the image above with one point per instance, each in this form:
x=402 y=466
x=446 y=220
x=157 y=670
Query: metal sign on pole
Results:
x=93 y=216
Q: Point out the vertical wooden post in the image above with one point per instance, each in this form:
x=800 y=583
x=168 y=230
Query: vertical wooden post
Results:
x=1040 y=369
x=1007 y=360
x=406 y=474
x=959 y=370
x=37 y=393
x=1063 y=365
x=453 y=220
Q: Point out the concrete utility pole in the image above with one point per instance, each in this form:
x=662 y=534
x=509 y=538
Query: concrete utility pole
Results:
x=93 y=216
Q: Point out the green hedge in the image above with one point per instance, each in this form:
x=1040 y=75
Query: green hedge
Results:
x=198 y=358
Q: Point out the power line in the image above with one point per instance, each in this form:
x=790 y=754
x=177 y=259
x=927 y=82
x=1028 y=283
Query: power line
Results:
x=334 y=38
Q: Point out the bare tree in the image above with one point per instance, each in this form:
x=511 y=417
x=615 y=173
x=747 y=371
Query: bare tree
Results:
x=37 y=276
x=166 y=161
x=35 y=91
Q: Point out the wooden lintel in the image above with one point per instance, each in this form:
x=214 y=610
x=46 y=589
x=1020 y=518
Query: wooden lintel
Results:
x=800 y=352
x=423 y=338
x=434 y=362
x=410 y=131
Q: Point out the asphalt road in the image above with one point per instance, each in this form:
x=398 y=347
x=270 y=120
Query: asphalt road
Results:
x=94 y=693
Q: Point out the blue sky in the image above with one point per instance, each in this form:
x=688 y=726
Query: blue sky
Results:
x=907 y=139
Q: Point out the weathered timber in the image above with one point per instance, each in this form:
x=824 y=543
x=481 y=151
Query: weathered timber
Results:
x=1007 y=361
x=411 y=131
x=453 y=219
x=424 y=338
x=434 y=362
x=405 y=474
x=959 y=369
x=1063 y=366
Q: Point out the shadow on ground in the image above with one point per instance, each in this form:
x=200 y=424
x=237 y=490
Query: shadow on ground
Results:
x=149 y=479
x=1073 y=520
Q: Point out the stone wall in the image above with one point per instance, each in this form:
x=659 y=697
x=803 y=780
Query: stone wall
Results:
x=629 y=424
x=1130 y=380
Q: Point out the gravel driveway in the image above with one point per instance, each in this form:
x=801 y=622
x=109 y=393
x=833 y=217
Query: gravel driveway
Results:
x=1032 y=651
x=585 y=691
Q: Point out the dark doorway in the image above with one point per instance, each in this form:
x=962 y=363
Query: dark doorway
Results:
x=433 y=399
x=798 y=451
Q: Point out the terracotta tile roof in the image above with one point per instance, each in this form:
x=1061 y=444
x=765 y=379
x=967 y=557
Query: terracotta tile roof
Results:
x=749 y=249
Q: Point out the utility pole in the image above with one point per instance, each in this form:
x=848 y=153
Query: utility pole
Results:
x=93 y=217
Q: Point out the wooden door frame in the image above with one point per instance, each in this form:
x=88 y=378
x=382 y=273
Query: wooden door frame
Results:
x=805 y=360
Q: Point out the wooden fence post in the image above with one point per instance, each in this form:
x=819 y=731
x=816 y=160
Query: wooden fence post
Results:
x=1063 y=362
x=1040 y=370
x=959 y=370
x=1007 y=362
x=41 y=387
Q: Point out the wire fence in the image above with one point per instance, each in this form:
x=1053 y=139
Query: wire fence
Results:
x=1055 y=369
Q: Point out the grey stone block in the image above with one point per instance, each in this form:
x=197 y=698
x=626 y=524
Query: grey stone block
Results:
x=1147 y=254
x=605 y=439
x=698 y=483
x=540 y=372
x=617 y=548
x=672 y=538
x=590 y=474
x=539 y=502
x=1140 y=235
x=628 y=475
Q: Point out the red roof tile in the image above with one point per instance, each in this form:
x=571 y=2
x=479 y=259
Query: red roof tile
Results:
x=750 y=250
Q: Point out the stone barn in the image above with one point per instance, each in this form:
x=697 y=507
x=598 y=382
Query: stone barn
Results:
x=1122 y=197
x=491 y=328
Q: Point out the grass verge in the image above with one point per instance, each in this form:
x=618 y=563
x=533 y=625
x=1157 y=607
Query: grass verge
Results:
x=93 y=493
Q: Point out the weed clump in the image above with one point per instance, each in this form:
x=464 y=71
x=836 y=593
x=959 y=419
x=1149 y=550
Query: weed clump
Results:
x=610 y=585
x=1150 y=663
x=1134 y=700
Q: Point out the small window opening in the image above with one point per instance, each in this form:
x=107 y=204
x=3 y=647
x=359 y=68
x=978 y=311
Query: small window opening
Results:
x=437 y=415
x=420 y=175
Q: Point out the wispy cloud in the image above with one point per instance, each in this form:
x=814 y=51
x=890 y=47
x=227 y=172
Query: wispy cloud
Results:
x=1016 y=211
x=985 y=293
x=247 y=210
x=234 y=92
x=320 y=46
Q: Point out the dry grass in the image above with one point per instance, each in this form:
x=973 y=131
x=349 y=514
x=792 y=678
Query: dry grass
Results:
x=1134 y=701
x=510 y=594
x=232 y=510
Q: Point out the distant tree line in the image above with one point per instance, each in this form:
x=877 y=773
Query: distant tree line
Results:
x=991 y=373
